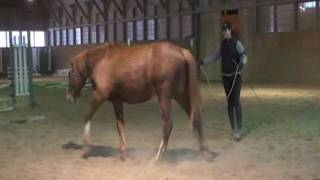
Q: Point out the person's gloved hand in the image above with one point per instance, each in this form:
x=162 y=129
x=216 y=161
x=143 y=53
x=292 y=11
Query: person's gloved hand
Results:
x=243 y=62
x=244 y=59
x=200 y=62
x=241 y=66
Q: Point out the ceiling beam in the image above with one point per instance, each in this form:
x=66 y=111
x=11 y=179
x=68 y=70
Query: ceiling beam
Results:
x=66 y=10
x=107 y=4
x=118 y=7
x=164 y=4
x=84 y=13
x=140 y=6
x=46 y=5
x=125 y=3
x=190 y=2
x=101 y=12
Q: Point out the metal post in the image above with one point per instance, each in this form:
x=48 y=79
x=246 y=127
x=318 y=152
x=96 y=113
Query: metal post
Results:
x=89 y=21
x=275 y=18
x=180 y=19
x=156 y=22
x=29 y=66
x=13 y=76
x=124 y=16
x=318 y=15
x=134 y=24
x=145 y=21
x=168 y=19
x=19 y=71
x=97 y=29
x=296 y=10
x=115 y=34
x=195 y=29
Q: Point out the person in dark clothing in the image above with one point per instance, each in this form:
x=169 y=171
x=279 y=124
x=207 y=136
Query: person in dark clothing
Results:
x=233 y=59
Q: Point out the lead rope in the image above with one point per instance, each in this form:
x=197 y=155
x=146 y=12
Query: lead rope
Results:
x=208 y=82
x=234 y=80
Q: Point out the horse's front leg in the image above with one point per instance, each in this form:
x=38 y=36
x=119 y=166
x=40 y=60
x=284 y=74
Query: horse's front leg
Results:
x=118 y=111
x=94 y=104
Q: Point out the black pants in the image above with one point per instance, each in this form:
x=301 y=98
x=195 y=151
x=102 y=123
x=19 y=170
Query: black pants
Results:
x=234 y=105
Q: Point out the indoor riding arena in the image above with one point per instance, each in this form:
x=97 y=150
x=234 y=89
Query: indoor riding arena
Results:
x=159 y=90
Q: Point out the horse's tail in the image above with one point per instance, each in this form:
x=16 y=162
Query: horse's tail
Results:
x=195 y=98
x=193 y=87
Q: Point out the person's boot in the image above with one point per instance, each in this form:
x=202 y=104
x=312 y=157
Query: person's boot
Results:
x=233 y=121
x=239 y=132
x=231 y=117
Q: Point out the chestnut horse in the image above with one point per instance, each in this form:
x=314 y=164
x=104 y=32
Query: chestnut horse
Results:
x=123 y=74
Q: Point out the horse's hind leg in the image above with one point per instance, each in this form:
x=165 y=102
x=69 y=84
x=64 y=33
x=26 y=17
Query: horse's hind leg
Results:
x=198 y=129
x=184 y=103
x=195 y=117
x=165 y=108
x=118 y=110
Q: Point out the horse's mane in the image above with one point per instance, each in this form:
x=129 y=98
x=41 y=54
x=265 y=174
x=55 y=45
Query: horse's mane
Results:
x=78 y=62
x=89 y=57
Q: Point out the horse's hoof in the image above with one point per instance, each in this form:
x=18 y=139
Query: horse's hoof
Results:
x=86 y=151
x=209 y=157
x=153 y=162
x=122 y=158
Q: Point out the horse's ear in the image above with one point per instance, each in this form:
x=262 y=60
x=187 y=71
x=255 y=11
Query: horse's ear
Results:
x=86 y=62
x=87 y=65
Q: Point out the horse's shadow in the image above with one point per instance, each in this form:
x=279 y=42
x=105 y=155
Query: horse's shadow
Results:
x=92 y=150
x=185 y=154
x=171 y=156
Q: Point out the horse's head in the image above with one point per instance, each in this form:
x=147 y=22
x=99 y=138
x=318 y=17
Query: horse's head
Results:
x=77 y=77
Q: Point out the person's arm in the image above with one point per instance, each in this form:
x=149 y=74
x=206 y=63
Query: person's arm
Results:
x=213 y=57
x=242 y=53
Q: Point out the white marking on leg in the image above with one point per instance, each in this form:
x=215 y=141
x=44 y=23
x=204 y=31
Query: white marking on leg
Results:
x=87 y=129
x=86 y=134
x=161 y=147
